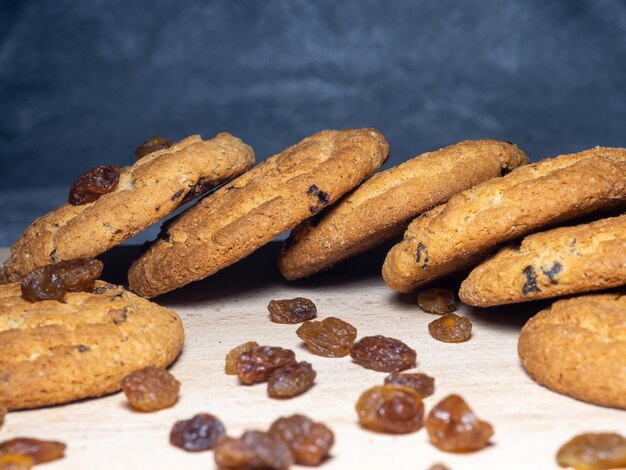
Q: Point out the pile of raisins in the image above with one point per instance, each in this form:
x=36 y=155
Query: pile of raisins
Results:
x=151 y=389
x=53 y=281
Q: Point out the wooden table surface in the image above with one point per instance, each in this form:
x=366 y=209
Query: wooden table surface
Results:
x=229 y=308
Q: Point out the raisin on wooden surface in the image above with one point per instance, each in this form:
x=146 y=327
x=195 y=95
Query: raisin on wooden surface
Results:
x=453 y=427
x=451 y=328
x=253 y=450
x=383 y=354
x=310 y=442
x=422 y=384
x=151 y=389
x=79 y=275
x=152 y=145
x=93 y=184
x=593 y=451
x=230 y=366
x=291 y=380
x=257 y=364
x=198 y=433
x=39 y=451
x=392 y=409
x=330 y=337
x=437 y=301
x=16 y=462
x=43 y=284
x=291 y=310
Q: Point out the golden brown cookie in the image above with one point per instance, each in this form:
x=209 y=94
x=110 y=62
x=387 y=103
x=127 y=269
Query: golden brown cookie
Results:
x=55 y=352
x=248 y=213
x=453 y=236
x=561 y=261
x=147 y=191
x=381 y=208
x=577 y=347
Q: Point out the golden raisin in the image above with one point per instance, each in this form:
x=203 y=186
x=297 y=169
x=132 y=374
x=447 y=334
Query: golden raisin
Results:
x=230 y=366
x=310 y=442
x=437 y=301
x=383 y=354
x=593 y=451
x=151 y=389
x=257 y=364
x=291 y=310
x=16 y=462
x=198 y=433
x=451 y=328
x=422 y=384
x=392 y=409
x=93 y=184
x=152 y=145
x=253 y=450
x=453 y=427
x=330 y=337
x=291 y=380
x=38 y=450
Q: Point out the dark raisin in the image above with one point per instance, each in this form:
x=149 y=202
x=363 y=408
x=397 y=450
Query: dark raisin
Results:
x=553 y=272
x=198 y=189
x=151 y=389
x=422 y=384
x=451 y=328
x=530 y=285
x=253 y=450
x=230 y=366
x=291 y=380
x=390 y=409
x=421 y=255
x=257 y=364
x=291 y=310
x=383 y=354
x=118 y=315
x=330 y=337
x=453 y=427
x=43 y=284
x=310 y=442
x=437 y=301
x=39 y=451
x=93 y=184
x=152 y=145
x=79 y=275
x=198 y=433
x=593 y=451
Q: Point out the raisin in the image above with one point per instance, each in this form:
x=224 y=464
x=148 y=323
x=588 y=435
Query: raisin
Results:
x=152 y=145
x=93 y=184
x=383 y=354
x=453 y=427
x=198 y=433
x=230 y=366
x=291 y=310
x=291 y=380
x=151 y=389
x=39 y=451
x=310 y=442
x=422 y=384
x=593 y=451
x=451 y=328
x=16 y=462
x=392 y=409
x=253 y=450
x=118 y=315
x=438 y=466
x=437 y=301
x=79 y=275
x=330 y=337
x=43 y=284
x=257 y=364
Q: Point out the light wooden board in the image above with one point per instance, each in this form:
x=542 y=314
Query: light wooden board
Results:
x=230 y=308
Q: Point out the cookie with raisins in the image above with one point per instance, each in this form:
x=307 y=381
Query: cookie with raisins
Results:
x=249 y=212
x=577 y=347
x=561 y=261
x=458 y=234
x=56 y=352
x=109 y=205
x=381 y=208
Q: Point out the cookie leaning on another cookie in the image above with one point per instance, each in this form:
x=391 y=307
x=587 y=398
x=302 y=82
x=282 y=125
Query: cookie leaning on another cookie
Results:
x=577 y=347
x=457 y=234
x=147 y=191
x=248 y=213
x=561 y=261
x=381 y=207
x=55 y=352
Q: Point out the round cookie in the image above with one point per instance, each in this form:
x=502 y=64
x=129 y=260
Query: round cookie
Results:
x=147 y=191
x=275 y=196
x=55 y=352
x=382 y=206
x=561 y=261
x=455 y=235
x=577 y=347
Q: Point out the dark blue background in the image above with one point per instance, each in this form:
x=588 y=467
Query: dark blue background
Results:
x=82 y=83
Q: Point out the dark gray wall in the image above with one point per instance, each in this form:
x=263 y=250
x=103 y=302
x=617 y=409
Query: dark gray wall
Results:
x=83 y=82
